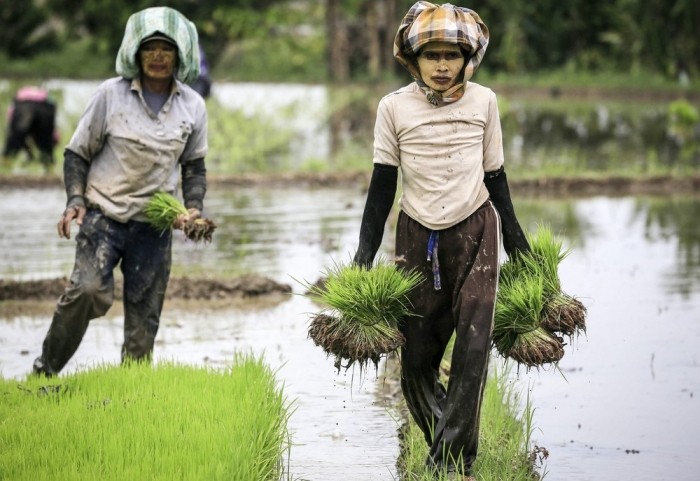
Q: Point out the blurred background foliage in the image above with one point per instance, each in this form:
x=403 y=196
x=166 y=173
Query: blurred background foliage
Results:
x=351 y=40
x=632 y=65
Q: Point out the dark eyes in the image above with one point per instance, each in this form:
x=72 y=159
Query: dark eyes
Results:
x=148 y=48
x=434 y=56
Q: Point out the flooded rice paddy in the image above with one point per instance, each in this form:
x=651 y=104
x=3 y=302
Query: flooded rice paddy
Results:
x=625 y=404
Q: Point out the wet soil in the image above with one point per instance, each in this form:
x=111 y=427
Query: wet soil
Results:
x=27 y=297
x=185 y=288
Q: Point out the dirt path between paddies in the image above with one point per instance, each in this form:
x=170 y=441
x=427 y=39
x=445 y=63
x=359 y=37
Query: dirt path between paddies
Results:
x=37 y=296
x=547 y=186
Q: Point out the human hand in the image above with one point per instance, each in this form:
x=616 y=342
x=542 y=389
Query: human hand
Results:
x=514 y=241
x=363 y=258
x=183 y=219
x=76 y=212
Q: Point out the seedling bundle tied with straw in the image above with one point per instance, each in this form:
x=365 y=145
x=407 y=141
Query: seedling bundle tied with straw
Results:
x=163 y=211
x=532 y=311
x=364 y=308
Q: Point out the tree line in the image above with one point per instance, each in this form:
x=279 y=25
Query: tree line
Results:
x=654 y=36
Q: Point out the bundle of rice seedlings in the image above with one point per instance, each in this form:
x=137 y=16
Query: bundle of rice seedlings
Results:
x=364 y=309
x=163 y=210
x=562 y=313
x=531 y=308
x=517 y=332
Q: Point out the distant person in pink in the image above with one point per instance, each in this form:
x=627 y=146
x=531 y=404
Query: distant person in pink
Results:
x=31 y=123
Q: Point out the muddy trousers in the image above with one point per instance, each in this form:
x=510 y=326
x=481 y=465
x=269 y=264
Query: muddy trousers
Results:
x=464 y=304
x=144 y=255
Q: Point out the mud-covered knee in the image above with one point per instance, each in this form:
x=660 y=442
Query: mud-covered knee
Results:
x=98 y=295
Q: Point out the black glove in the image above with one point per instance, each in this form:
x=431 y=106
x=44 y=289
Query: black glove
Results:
x=380 y=199
x=514 y=240
x=75 y=172
x=194 y=183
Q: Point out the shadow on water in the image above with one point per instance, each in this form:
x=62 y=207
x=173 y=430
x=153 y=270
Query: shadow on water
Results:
x=625 y=407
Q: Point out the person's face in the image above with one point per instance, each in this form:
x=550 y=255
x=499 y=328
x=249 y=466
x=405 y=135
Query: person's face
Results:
x=158 y=59
x=440 y=65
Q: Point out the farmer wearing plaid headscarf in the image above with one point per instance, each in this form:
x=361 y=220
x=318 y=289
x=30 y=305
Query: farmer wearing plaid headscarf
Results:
x=141 y=133
x=444 y=133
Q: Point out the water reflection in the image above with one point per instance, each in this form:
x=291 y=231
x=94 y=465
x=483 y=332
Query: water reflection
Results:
x=675 y=220
x=328 y=125
x=626 y=406
x=273 y=231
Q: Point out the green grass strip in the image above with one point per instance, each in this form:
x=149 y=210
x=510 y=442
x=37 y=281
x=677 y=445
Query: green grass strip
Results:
x=163 y=422
x=505 y=453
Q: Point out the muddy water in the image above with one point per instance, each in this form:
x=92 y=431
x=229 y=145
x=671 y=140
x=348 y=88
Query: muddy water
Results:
x=624 y=406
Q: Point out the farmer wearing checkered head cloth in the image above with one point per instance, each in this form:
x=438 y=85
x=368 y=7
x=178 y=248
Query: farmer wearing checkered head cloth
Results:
x=443 y=132
x=141 y=133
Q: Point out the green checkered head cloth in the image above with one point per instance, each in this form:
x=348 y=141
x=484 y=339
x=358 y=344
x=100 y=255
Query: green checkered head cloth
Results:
x=426 y=22
x=164 y=21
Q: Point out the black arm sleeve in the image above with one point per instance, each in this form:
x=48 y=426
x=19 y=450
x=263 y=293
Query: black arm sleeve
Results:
x=194 y=183
x=380 y=199
x=75 y=172
x=514 y=239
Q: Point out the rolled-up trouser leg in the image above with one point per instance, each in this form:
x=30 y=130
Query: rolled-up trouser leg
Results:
x=88 y=296
x=468 y=255
x=146 y=270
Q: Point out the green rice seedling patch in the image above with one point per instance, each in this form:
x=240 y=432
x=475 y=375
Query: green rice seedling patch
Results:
x=161 y=422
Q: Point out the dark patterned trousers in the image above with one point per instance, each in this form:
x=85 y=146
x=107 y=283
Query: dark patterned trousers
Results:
x=144 y=256
x=468 y=255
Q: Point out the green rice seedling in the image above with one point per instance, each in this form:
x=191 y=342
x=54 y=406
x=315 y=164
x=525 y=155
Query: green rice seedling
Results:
x=506 y=452
x=544 y=260
x=163 y=211
x=518 y=307
x=562 y=313
x=138 y=421
x=364 y=309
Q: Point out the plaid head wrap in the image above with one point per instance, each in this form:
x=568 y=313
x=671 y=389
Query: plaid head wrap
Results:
x=426 y=22
x=165 y=21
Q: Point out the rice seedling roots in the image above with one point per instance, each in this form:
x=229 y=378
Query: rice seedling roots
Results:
x=536 y=348
x=199 y=230
x=336 y=340
x=564 y=314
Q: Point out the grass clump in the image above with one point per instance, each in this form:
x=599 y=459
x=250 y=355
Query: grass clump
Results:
x=532 y=312
x=140 y=421
x=164 y=212
x=364 y=309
